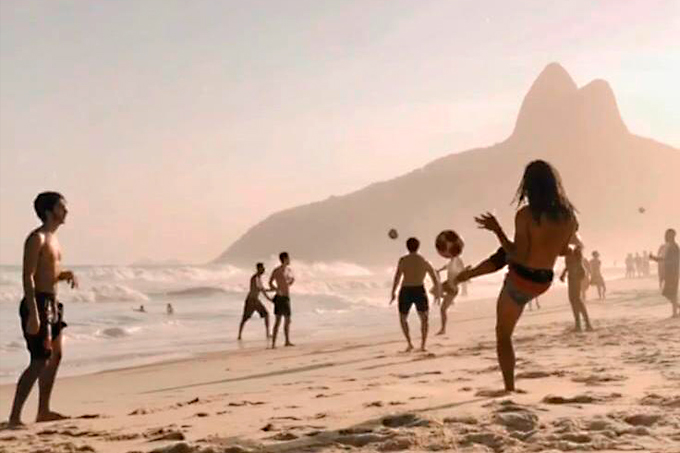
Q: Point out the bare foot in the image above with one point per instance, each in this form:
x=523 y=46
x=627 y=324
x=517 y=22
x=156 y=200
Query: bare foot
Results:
x=50 y=416
x=589 y=328
x=288 y=343
x=441 y=332
x=409 y=348
x=423 y=349
x=13 y=424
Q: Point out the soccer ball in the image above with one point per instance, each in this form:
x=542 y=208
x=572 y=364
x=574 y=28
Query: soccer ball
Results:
x=449 y=244
x=393 y=234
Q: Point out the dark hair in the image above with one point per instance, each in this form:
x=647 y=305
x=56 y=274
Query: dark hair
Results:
x=259 y=265
x=541 y=187
x=412 y=244
x=283 y=256
x=45 y=202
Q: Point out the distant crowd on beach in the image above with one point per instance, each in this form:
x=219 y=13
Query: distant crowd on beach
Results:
x=546 y=229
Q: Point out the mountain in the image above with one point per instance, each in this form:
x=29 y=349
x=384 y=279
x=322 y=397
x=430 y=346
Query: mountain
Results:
x=608 y=173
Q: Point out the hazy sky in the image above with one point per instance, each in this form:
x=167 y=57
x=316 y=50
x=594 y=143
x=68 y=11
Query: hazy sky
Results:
x=173 y=126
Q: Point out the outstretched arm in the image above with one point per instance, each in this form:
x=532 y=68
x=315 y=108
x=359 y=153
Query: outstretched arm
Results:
x=488 y=221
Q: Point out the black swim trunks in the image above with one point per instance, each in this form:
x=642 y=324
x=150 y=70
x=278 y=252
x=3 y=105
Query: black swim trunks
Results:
x=252 y=305
x=282 y=305
x=409 y=295
x=51 y=315
x=533 y=275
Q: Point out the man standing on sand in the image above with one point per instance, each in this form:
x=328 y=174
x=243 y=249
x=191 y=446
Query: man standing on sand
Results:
x=576 y=272
x=283 y=277
x=638 y=265
x=253 y=303
x=671 y=264
x=630 y=266
x=596 y=278
x=42 y=317
x=411 y=272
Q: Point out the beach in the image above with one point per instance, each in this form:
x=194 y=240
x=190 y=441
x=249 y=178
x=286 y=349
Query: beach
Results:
x=613 y=389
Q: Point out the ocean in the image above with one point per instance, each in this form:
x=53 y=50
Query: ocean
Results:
x=104 y=332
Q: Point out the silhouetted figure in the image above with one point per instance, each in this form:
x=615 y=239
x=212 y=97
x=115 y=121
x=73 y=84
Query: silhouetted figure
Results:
x=281 y=280
x=630 y=266
x=253 y=304
x=576 y=273
x=169 y=309
x=671 y=263
x=638 y=265
x=410 y=273
x=596 y=278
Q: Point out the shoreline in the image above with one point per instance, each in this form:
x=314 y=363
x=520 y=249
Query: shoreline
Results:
x=363 y=394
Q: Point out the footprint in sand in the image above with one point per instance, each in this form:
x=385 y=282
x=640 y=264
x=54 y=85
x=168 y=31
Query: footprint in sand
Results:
x=539 y=374
x=599 y=379
x=580 y=399
x=405 y=420
x=374 y=404
x=491 y=393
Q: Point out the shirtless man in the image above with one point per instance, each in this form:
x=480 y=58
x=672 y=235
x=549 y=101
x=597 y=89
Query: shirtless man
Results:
x=449 y=289
x=253 y=303
x=576 y=273
x=544 y=227
x=671 y=264
x=42 y=317
x=281 y=280
x=411 y=272
x=596 y=278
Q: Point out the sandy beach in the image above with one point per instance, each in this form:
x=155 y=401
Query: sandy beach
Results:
x=610 y=390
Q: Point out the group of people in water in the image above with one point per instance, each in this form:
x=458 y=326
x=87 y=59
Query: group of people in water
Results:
x=545 y=228
x=638 y=265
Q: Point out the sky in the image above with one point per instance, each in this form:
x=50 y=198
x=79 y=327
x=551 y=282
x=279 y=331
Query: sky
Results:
x=172 y=127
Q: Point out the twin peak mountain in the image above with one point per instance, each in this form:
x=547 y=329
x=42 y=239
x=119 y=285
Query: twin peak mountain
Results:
x=607 y=171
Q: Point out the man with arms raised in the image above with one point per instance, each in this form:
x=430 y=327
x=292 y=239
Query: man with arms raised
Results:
x=42 y=317
x=411 y=272
x=283 y=278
